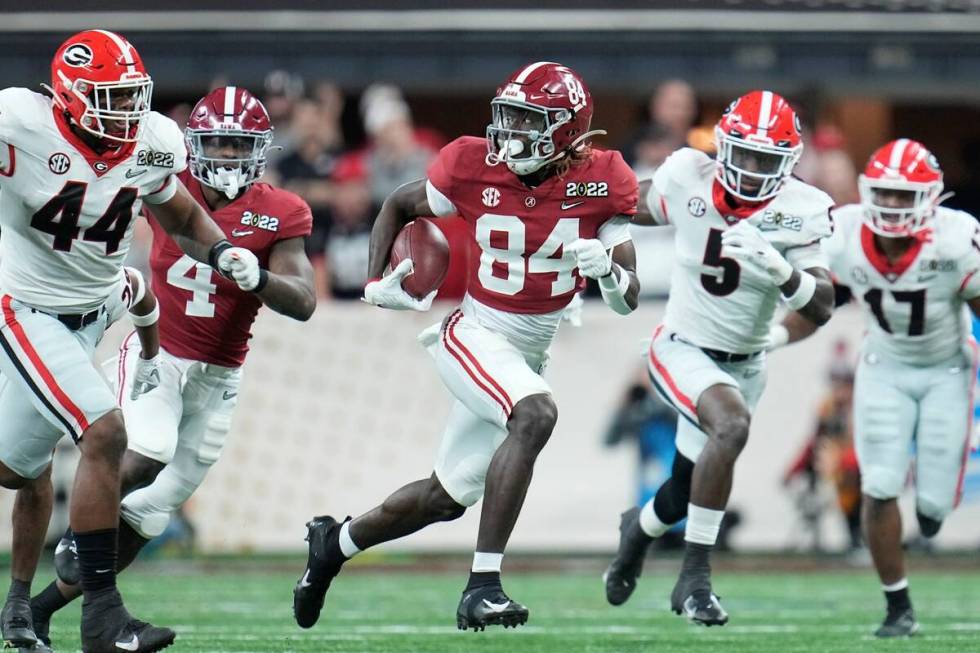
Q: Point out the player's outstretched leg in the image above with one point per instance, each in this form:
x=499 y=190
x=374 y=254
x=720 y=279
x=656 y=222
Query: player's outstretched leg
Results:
x=725 y=418
x=484 y=602
x=106 y=625
x=638 y=527
x=31 y=513
x=332 y=543
x=882 y=524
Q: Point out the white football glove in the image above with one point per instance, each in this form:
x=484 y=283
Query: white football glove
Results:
x=593 y=259
x=146 y=377
x=746 y=244
x=387 y=292
x=573 y=312
x=242 y=266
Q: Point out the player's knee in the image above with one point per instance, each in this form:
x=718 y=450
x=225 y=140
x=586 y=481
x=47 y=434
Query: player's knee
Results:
x=105 y=438
x=732 y=433
x=439 y=505
x=533 y=420
x=874 y=508
x=881 y=485
x=39 y=489
x=12 y=480
x=138 y=471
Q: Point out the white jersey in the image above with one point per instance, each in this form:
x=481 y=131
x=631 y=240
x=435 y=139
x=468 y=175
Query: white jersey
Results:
x=714 y=301
x=914 y=307
x=66 y=214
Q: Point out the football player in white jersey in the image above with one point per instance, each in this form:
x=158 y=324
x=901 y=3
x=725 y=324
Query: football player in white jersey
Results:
x=747 y=233
x=914 y=266
x=75 y=167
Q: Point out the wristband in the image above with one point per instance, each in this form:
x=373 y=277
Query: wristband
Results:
x=263 y=279
x=804 y=292
x=614 y=289
x=215 y=252
x=146 y=320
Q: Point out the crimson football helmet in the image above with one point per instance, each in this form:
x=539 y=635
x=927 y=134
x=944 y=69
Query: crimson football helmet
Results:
x=540 y=114
x=98 y=80
x=227 y=136
x=900 y=188
x=758 y=141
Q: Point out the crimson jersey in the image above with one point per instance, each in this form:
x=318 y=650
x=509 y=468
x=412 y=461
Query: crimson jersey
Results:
x=203 y=316
x=521 y=231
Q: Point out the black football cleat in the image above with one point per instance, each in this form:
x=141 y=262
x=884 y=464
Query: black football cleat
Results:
x=489 y=606
x=898 y=623
x=323 y=563
x=620 y=577
x=66 y=566
x=107 y=627
x=39 y=647
x=42 y=629
x=16 y=624
x=692 y=597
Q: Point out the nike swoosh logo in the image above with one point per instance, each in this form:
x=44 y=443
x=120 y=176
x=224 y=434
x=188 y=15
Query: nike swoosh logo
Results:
x=134 y=173
x=496 y=607
x=570 y=205
x=229 y=395
x=132 y=645
x=61 y=548
x=102 y=571
x=305 y=581
x=238 y=234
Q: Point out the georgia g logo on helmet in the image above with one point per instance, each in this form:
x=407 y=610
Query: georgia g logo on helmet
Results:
x=78 y=55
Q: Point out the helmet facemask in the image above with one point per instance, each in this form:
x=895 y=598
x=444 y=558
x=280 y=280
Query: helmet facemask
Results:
x=521 y=135
x=227 y=160
x=896 y=208
x=114 y=111
x=753 y=170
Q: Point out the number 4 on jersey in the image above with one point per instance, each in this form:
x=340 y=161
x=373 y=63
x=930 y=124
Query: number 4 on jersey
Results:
x=200 y=304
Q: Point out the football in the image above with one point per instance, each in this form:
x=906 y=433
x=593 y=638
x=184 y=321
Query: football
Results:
x=423 y=242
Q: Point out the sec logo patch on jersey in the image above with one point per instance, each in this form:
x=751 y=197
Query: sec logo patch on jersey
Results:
x=491 y=197
x=59 y=163
x=697 y=207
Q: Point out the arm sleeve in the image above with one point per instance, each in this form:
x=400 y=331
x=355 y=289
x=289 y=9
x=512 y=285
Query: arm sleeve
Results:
x=164 y=193
x=439 y=203
x=615 y=231
x=441 y=183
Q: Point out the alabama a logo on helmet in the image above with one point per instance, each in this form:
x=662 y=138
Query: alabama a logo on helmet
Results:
x=78 y=55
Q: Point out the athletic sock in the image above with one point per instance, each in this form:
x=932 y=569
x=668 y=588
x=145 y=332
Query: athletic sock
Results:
x=703 y=525
x=19 y=589
x=484 y=562
x=482 y=579
x=897 y=596
x=97 y=555
x=650 y=523
x=49 y=601
x=347 y=545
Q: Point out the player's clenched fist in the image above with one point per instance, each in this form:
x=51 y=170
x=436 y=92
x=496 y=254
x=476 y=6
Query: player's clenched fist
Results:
x=387 y=292
x=593 y=259
x=146 y=377
x=242 y=266
x=746 y=244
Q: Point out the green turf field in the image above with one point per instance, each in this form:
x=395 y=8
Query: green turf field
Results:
x=388 y=611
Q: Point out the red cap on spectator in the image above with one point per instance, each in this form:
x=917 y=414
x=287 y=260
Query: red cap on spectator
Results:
x=350 y=168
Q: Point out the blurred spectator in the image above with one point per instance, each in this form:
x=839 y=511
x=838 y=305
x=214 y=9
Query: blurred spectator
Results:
x=829 y=459
x=674 y=106
x=827 y=165
x=342 y=270
x=307 y=171
x=652 y=147
x=281 y=91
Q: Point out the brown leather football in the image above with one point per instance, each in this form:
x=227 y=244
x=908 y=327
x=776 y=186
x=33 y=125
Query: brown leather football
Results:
x=421 y=241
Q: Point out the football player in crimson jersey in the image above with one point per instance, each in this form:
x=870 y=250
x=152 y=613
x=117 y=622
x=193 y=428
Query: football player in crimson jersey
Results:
x=914 y=266
x=177 y=432
x=747 y=233
x=547 y=210
x=76 y=166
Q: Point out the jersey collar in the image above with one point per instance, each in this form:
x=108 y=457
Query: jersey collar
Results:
x=100 y=163
x=738 y=211
x=887 y=269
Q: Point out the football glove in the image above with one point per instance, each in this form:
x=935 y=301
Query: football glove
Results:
x=146 y=376
x=387 y=292
x=746 y=244
x=241 y=266
x=593 y=259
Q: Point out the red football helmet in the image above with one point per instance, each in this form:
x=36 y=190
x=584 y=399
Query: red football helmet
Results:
x=540 y=114
x=758 y=141
x=227 y=136
x=900 y=188
x=98 y=79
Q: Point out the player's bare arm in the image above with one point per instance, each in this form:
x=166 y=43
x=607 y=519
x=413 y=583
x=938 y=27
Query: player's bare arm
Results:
x=188 y=224
x=644 y=214
x=624 y=265
x=144 y=313
x=289 y=289
x=405 y=203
